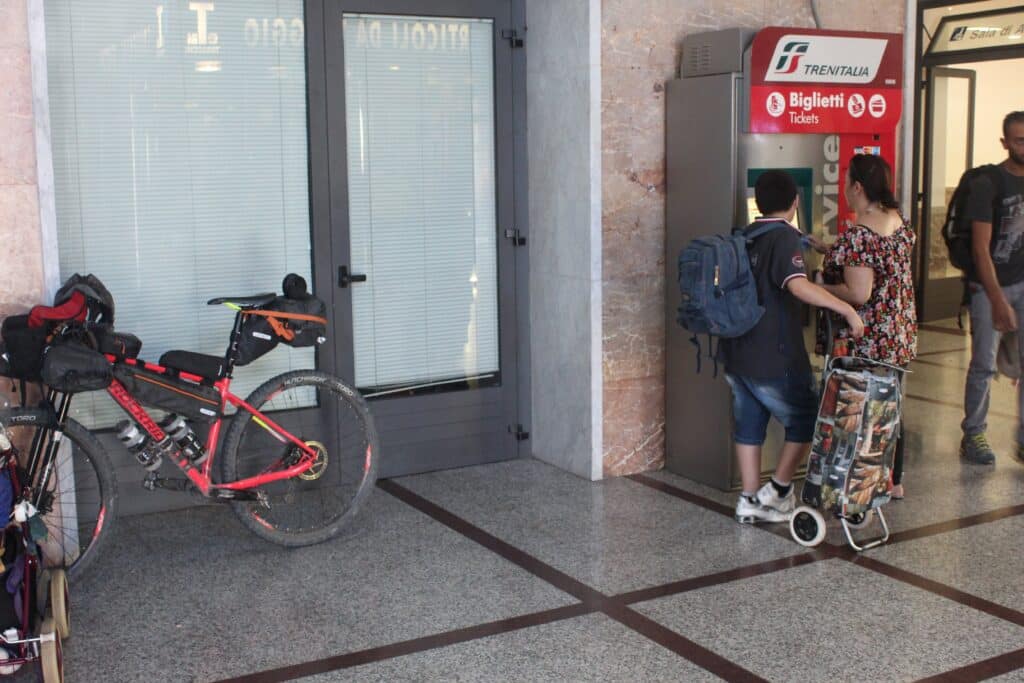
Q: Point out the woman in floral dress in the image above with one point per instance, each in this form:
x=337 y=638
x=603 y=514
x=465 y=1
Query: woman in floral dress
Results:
x=869 y=266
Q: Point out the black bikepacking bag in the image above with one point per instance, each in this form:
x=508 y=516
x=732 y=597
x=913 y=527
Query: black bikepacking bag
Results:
x=23 y=348
x=121 y=345
x=160 y=390
x=73 y=367
x=296 y=322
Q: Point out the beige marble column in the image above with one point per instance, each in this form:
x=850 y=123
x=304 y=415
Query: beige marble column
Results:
x=640 y=47
x=21 y=262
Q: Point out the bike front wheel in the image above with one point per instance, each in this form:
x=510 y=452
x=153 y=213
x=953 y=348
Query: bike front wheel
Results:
x=324 y=413
x=75 y=491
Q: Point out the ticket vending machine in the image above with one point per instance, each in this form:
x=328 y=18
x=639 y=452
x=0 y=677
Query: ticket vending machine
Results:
x=803 y=100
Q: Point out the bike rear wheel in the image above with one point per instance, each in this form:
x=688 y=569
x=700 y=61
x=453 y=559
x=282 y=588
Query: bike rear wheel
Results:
x=323 y=412
x=76 y=493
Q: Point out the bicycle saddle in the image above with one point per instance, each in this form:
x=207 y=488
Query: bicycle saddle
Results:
x=244 y=301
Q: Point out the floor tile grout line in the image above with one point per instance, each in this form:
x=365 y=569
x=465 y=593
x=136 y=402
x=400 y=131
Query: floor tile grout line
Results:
x=938 y=588
x=415 y=645
x=848 y=554
x=951 y=404
x=940 y=365
x=982 y=670
x=590 y=597
x=955 y=331
x=949 y=526
x=943 y=351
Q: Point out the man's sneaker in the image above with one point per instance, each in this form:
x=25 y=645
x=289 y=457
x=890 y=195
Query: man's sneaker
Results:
x=770 y=498
x=974 y=448
x=1020 y=452
x=750 y=512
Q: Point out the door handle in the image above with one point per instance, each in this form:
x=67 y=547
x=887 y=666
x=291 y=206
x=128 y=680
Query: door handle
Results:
x=345 y=278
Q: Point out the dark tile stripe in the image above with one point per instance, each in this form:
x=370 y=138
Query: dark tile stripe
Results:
x=939 y=365
x=980 y=671
x=686 y=585
x=682 y=646
x=955 y=524
x=665 y=487
x=956 y=331
x=780 y=530
x=590 y=597
x=966 y=599
x=954 y=404
x=408 y=647
x=941 y=352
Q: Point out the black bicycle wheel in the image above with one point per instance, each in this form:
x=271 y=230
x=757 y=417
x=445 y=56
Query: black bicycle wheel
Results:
x=320 y=410
x=76 y=494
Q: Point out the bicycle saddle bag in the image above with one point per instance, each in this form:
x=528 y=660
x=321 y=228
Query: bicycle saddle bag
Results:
x=293 y=321
x=72 y=367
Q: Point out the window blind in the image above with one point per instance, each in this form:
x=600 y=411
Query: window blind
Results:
x=180 y=164
x=419 y=96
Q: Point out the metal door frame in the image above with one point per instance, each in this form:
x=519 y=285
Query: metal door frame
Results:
x=947 y=290
x=331 y=248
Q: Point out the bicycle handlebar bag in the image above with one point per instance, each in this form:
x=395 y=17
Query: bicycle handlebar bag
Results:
x=121 y=345
x=161 y=390
x=23 y=348
x=72 y=367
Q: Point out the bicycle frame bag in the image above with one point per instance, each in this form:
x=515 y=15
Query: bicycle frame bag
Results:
x=72 y=367
x=298 y=322
x=161 y=390
x=23 y=348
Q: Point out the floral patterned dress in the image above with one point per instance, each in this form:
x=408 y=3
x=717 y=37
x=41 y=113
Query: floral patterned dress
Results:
x=890 y=315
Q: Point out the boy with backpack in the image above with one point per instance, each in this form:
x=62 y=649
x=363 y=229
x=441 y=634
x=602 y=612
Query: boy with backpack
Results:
x=993 y=218
x=767 y=367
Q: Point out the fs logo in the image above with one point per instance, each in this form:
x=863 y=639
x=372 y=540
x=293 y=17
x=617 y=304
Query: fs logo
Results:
x=958 y=33
x=789 y=60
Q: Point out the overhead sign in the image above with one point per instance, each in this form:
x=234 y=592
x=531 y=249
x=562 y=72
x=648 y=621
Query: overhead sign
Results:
x=978 y=32
x=814 y=81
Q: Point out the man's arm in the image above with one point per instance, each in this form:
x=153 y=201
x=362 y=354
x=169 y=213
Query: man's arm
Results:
x=812 y=294
x=1003 y=317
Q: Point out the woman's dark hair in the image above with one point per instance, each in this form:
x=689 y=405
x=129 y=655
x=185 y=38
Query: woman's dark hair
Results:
x=875 y=175
x=774 y=191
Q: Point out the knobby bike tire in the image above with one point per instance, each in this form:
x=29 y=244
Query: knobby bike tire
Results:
x=94 y=529
x=304 y=512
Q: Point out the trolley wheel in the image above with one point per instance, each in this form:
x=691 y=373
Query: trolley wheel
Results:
x=60 y=603
x=859 y=520
x=51 y=656
x=807 y=526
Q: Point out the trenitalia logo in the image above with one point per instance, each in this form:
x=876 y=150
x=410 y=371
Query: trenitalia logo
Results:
x=826 y=59
x=790 y=59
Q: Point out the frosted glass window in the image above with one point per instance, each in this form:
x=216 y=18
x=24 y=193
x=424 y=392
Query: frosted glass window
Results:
x=419 y=96
x=180 y=163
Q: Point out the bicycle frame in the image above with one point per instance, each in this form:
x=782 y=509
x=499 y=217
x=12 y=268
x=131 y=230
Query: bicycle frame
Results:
x=200 y=476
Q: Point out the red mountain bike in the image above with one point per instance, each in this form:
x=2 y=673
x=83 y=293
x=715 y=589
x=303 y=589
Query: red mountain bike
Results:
x=299 y=456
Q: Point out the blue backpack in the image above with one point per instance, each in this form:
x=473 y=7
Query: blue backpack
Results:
x=719 y=294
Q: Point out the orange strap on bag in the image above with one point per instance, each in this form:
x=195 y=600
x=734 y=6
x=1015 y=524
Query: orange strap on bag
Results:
x=280 y=329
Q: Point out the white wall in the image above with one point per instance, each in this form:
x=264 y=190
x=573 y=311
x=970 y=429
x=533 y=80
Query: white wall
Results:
x=998 y=93
x=564 y=133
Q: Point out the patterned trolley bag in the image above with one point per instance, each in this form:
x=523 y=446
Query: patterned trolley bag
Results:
x=849 y=472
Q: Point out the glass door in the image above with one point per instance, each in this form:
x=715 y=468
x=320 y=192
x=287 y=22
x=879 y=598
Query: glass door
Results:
x=948 y=152
x=420 y=157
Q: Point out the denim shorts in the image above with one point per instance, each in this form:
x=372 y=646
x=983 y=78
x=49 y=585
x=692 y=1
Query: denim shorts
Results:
x=793 y=401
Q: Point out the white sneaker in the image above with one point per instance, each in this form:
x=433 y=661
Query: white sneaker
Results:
x=748 y=512
x=770 y=498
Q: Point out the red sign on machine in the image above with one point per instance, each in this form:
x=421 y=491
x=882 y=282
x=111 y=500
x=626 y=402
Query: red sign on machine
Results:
x=814 y=81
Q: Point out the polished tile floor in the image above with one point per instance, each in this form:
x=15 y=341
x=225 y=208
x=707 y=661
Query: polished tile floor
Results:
x=521 y=572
